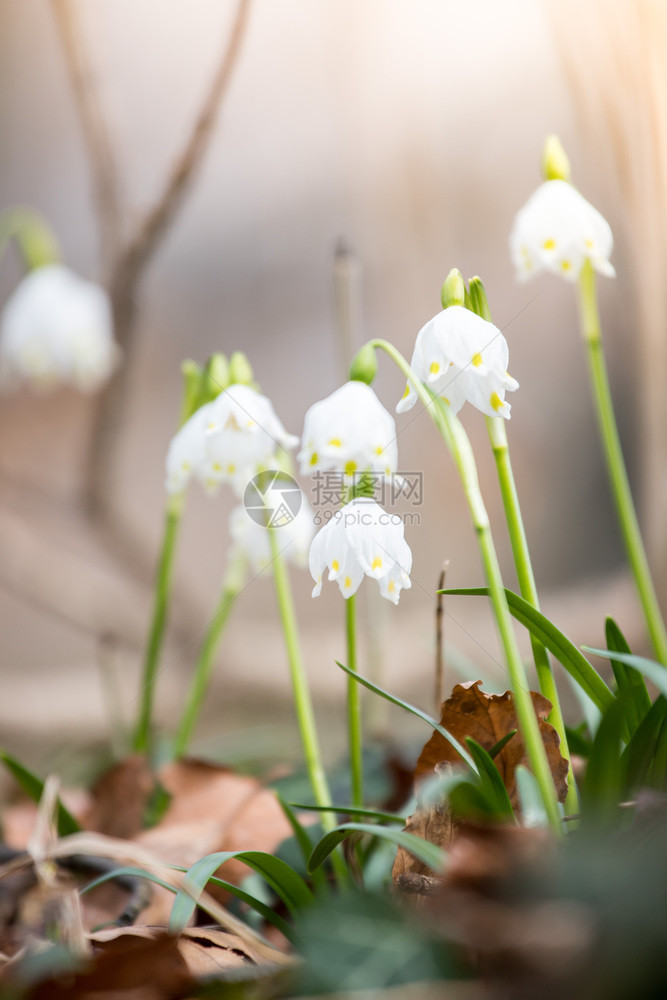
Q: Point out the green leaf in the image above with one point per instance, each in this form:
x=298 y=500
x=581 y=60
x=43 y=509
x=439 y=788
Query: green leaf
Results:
x=533 y=812
x=502 y=742
x=656 y=672
x=558 y=644
x=470 y=800
x=490 y=779
x=461 y=751
x=578 y=740
x=33 y=788
x=605 y=783
x=300 y=833
x=421 y=849
x=627 y=679
x=256 y=904
x=382 y=817
x=640 y=753
x=287 y=884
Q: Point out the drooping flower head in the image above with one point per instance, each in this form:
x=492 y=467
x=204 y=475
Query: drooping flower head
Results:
x=362 y=539
x=349 y=432
x=57 y=328
x=462 y=357
x=293 y=537
x=228 y=440
x=557 y=230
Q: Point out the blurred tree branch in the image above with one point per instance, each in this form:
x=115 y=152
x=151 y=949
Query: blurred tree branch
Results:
x=127 y=259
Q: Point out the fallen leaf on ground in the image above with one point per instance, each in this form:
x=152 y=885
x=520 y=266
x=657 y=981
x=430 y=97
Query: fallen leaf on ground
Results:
x=469 y=711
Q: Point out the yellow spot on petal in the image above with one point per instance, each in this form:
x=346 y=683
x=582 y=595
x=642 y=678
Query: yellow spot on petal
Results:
x=379 y=450
x=231 y=469
x=314 y=458
x=476 y=359
x=211 y=426
x=392 y=587
x=377 y=563
x=185 y=467
x=496 y=401
x=549 y=244
x=445 y=400
x=350 y=468
x=348 y=583
x=407 y=391
x=590 y=243
x=216 y=467
x=435 y=368
x=335 y=442
x=335 y=565
x=566 y=265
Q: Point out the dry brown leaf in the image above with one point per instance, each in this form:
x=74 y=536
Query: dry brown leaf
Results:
x=469 y=711
x=432 y=821
x=119 y=798
x=214 y=809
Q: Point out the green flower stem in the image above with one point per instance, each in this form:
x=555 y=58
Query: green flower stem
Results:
x=590 y=328
x=354 y=706
x=302 y=700
x=158 y=622
x=232 y=585
x=458 y=443
x=524 y=569
x=34 y=236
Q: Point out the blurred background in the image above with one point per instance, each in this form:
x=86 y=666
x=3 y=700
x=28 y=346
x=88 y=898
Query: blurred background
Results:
x=412 y=131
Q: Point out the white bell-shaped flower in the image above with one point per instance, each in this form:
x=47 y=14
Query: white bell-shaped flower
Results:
x=349 y=432
x=556 y=231
x=228 y=440
x=293 y=537
x=57 y=328
x=362 y=539
x=462 y=357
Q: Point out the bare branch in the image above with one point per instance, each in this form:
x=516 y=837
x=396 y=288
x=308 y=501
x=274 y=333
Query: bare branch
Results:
x=93 y=125
x=154 y=225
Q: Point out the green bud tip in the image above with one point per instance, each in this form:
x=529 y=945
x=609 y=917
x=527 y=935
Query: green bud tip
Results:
x=364 y=365
x=217 y=374
x=192 y=374
x=555 y=162
x=453 y=291
x=240 y=370
x=478 y=301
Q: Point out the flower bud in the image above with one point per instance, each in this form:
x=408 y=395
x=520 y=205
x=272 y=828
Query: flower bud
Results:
x=453 y=291
x=555 y=162
x=364 y=365
x=192 y=373
x=240 y=370
x=213 y=379
x=478 y=301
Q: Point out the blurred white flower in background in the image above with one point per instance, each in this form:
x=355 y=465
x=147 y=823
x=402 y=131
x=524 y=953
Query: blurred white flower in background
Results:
x=228 y=440
x=556 y=231
x=362 y=539
x=349 y=432
x=57 y=328
x=293 y=537
x=462 y=357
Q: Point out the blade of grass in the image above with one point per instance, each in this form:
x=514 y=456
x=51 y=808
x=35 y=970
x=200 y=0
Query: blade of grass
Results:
x=421 y=849
x=33 y=788
x=558 y=644
x=462 y=752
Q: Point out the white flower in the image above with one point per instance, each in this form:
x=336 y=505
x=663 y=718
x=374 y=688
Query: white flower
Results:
x=361 y=538
x=557 y=230
x=460 y=357
x=228 y=440
x=349 y=432
x=57 y=327
x=293 y=537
